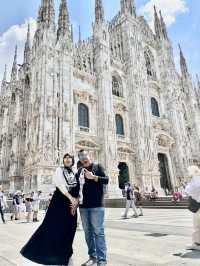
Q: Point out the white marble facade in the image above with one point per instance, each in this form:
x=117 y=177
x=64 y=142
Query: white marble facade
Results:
x=68 y=96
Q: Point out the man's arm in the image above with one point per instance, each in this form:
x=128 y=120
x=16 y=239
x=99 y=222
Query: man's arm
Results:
x=102 y=177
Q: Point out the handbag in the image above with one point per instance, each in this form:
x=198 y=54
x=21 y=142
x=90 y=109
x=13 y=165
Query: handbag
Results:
x=193 y=205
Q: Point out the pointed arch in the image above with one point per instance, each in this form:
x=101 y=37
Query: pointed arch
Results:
x=155 y=107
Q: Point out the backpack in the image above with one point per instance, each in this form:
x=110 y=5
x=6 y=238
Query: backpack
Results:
x=193 y=205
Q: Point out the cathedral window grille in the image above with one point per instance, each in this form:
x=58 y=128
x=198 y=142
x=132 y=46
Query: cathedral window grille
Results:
x=155 y=107
x=116 y=87
x=83 y=116
x=149 y=60
x=119 y=125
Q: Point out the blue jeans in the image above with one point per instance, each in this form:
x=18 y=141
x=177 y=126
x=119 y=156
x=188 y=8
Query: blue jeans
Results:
x=93 y=226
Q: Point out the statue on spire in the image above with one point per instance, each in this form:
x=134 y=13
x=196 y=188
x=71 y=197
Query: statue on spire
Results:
x=99 y=12
x=63 y=21
x=157 y=24
x=4 y=80
x=14 y=67
x=183 y=64
x=27 y=49
x=128 y=7
x=163 y=26
x=47 y=13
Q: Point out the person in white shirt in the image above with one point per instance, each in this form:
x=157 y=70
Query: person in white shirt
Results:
x=3 y=205
x=193 y=191
x=36 y=205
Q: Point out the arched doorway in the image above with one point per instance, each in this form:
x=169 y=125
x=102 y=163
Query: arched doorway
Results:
x=165 y=180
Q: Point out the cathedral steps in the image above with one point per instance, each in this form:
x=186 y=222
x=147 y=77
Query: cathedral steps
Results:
x=160 y=203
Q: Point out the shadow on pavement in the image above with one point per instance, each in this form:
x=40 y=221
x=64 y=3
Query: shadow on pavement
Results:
x=193 y=254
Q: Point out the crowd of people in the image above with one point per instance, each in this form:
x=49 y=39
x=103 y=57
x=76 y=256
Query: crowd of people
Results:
x=21 y=205
x=52 y=243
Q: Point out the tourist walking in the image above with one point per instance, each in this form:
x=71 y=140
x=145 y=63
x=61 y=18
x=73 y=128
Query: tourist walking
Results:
x=130 y=202
x=29 y=207
x=17 y=201
x=3 y=205
x=52 y=243
x=193 y=191
x=138 y=199
x=93 y=180
x=36 y=205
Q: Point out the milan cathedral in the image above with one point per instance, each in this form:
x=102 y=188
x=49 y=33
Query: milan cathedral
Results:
x=117 y=95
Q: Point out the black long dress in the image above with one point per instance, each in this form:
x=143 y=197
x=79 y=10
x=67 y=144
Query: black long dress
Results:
x=52 y=243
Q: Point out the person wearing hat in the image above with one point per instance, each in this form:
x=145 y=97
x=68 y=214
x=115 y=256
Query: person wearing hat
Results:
x=193 y=191
x=52 y=243
x=93 y=181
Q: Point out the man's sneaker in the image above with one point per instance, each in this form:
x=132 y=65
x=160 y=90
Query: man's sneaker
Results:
x=90 y=262
x=101 y=263
x=135 y=216
x=124 y=217
x=141 y=214
x=194 y=246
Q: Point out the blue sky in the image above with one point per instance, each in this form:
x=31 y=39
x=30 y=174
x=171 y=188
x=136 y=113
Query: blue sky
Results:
x=181 y=17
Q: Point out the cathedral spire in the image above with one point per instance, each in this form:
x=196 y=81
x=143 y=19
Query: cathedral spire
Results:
x=163 y=26
x=27 y=49
x=72 y=33
x=47 y=13
x=198 y=81
x=14 y=67
x=79 y=34
x=99 y=12
x=5 y=75
x=183 y=64
x=128 y=7
x=63 y=21
x=157 y=24
x=4 y=80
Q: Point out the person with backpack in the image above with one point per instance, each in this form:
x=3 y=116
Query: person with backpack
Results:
x=193 y=191
x=91 y=204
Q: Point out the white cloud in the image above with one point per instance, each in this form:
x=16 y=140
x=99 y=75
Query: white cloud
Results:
x=15 y=35
x=170 y=10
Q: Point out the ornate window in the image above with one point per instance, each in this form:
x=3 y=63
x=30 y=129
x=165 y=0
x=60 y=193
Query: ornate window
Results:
x=155 y=107
x=83 y=116
x=119 y=125
x=117 y=87
x=149 y=60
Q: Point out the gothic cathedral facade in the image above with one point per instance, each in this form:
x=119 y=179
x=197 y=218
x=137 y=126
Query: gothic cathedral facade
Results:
x=117 y=95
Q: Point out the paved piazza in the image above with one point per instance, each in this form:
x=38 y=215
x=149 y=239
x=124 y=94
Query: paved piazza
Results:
x=158 y=238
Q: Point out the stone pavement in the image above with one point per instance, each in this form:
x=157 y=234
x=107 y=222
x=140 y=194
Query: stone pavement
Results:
x=158 y=238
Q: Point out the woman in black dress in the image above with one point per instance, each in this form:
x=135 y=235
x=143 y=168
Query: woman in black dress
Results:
x=52 y=243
